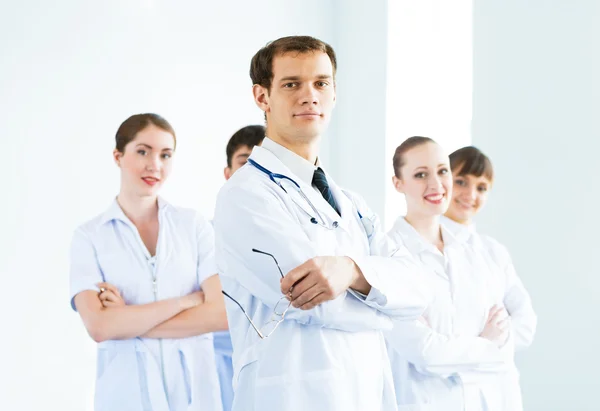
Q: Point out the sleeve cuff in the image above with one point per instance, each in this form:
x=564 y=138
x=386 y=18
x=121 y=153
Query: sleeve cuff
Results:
x=79 y=290
x=375 y=296
x=206 y=270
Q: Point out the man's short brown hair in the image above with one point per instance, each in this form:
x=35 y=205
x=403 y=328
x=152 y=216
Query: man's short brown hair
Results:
x=261 y=67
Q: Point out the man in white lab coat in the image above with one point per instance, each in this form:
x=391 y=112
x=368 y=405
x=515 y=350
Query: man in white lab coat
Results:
x=304 y=264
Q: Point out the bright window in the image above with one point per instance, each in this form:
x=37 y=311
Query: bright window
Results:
x=429 y=85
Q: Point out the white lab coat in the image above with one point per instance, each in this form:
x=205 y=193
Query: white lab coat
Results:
x=141 y=374
x=332 y=357
x=516 y=298
x=447 y=366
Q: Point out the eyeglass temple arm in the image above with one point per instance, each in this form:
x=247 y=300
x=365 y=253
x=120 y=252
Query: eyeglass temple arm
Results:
x=272 y=256
x=246 y=314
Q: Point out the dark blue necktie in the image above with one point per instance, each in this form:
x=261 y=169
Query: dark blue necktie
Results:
x=320 y=181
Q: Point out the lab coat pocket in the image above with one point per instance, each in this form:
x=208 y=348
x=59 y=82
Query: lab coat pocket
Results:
x=121 y=382
x=502 y=392
x=199 y=382
x=323 y=238
x=186 y=377
x=105 y=357
x=316 y=390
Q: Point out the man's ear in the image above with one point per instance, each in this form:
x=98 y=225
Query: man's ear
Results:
x=334 y=95
x=261 y=97
x=227 y=173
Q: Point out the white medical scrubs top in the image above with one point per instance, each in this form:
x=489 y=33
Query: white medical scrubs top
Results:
x=143 y=373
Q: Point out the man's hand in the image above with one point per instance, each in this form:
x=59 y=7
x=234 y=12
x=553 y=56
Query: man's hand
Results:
x=322 y=279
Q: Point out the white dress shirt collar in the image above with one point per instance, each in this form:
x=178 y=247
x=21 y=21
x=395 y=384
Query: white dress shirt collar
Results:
x=297 y=165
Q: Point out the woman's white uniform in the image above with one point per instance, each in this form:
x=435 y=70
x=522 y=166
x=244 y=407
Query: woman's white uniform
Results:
x=143 y=374
x=516 y=298
x=332 y=357
x=446 y=365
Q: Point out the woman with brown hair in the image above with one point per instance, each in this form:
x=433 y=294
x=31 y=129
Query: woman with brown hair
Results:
x=473 y=177
x=144 y=282
x=460 y=355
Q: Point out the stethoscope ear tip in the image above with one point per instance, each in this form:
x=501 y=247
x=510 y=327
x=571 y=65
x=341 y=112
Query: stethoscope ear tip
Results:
x=335 y=224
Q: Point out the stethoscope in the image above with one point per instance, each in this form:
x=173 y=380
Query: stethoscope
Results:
x=277 y=178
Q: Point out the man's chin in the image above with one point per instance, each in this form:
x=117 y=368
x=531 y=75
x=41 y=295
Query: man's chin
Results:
x=309 y=133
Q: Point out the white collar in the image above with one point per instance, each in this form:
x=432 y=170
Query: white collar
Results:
x=300 y=167
x=460 y=231
x=266 y=159
x=115 y=212
x=415 y=242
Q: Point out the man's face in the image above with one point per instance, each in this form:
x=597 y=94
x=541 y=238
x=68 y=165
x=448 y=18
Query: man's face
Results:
x=240 y=157
x=302 y=96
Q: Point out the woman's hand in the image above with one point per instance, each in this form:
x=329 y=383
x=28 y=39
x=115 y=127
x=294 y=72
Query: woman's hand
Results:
x=497 y=326
x=423 y=320
x=110 y=296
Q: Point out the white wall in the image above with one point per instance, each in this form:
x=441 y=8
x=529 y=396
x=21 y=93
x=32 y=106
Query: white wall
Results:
x=536 y=103
x=70 y=73
x=357 y=141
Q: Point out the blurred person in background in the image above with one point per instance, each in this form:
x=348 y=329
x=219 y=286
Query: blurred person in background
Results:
x=473 y=177
x=238 y=150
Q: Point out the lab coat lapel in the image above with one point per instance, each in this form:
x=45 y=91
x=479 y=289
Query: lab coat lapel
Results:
x=417 y=245
x=346 y=205
x=270 y=162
